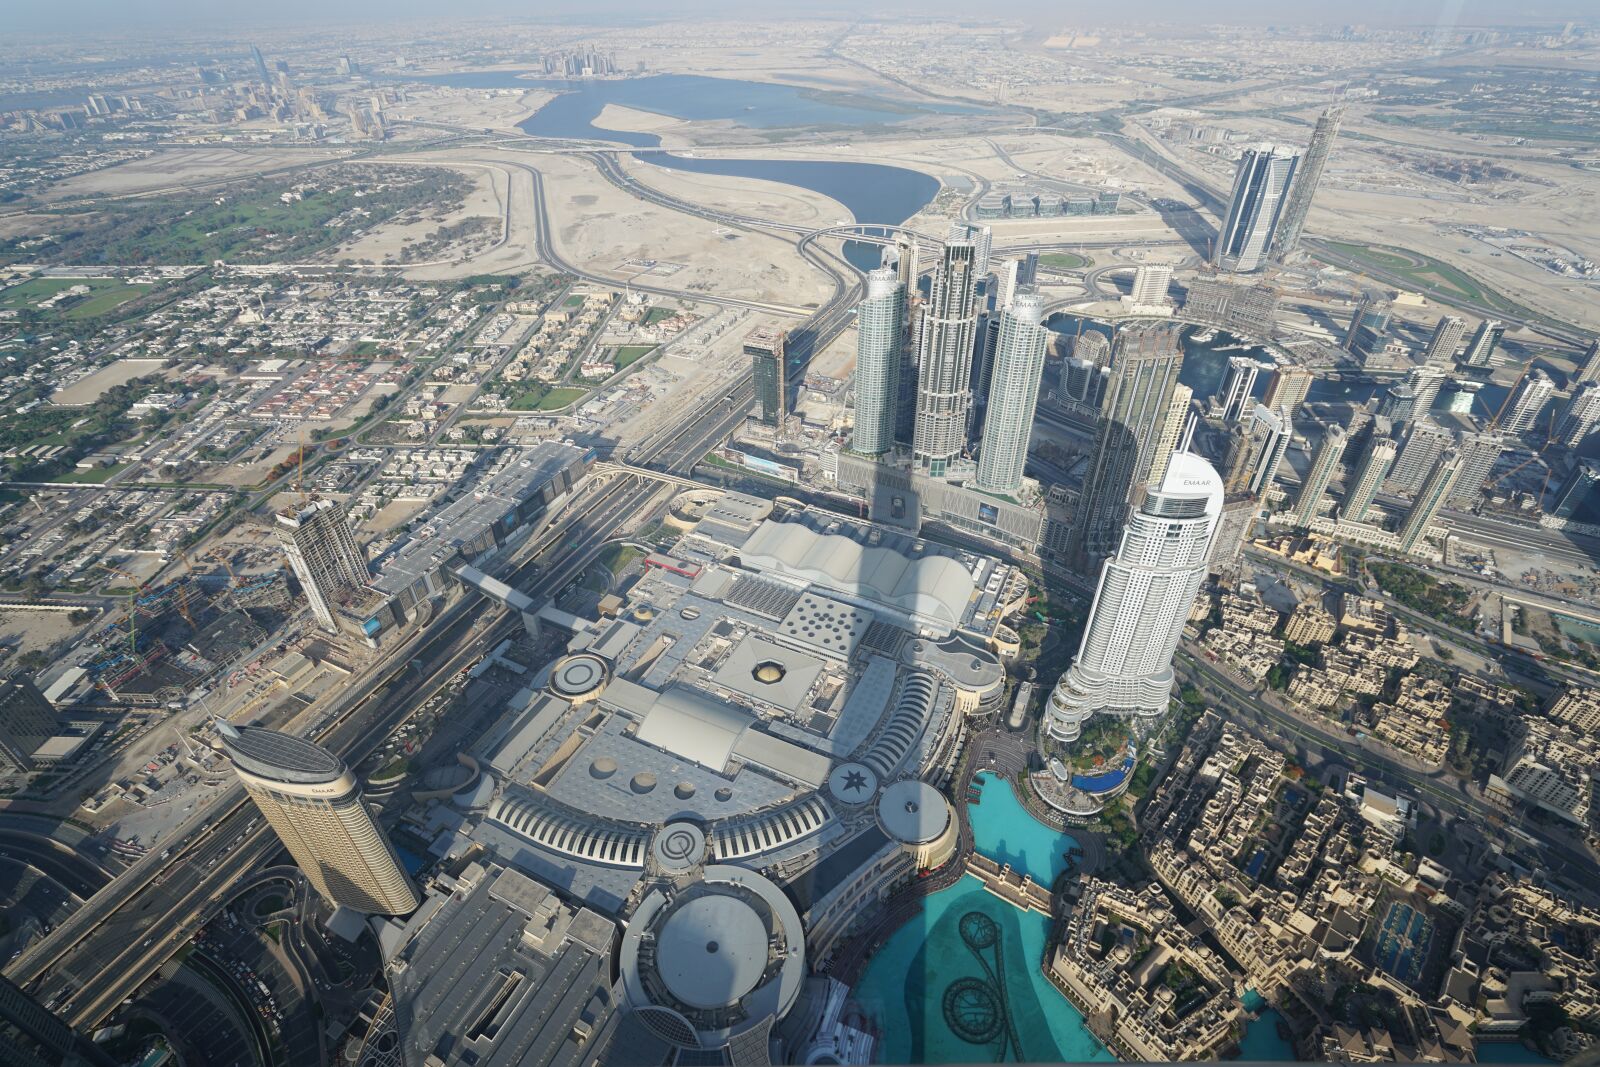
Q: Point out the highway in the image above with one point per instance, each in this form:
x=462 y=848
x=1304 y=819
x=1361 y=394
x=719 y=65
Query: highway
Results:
x=123 y=933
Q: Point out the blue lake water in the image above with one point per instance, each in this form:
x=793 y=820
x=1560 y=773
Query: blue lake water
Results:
x=870 y=192
x=1261 y=1040
x=961 y=983
x=1508 y=1052
x=1003 y=830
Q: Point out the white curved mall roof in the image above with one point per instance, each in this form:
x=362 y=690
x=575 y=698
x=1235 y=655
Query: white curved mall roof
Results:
x=694 y=726
x=932 y=587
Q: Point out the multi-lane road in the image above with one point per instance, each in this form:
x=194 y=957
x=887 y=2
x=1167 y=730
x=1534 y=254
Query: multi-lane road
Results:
x=123 y=933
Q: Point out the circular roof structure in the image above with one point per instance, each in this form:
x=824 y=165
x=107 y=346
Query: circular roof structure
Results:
x=679 y=847
x=579 y=677
x=853 y=783
x=712 y=951
x=279 y=757
x=914 y=812
x=717 y=956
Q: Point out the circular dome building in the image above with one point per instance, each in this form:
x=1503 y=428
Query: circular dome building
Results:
x=918 y=816
x=578 y=678
x=706 y=963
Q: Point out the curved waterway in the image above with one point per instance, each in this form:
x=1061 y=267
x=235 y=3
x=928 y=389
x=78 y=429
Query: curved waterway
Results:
x=871 y=192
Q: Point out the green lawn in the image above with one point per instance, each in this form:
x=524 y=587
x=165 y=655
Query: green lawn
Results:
x=574 y=301
x=657 y=314
x=1064 y=260
x=366 y=349
x=106 y=293
x=545 y=398
x=1433 y=276
x=92 y=475
x=617 y=557
x=629 y=354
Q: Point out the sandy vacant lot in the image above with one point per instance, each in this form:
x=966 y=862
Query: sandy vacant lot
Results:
x=599 y=227
x=478 y=109
x=759 y=199
x=88 y=390
x=486 y=201
x=176 y=167
x=30 y=631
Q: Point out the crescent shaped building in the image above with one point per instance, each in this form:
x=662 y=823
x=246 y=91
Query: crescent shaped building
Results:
x=314 y=803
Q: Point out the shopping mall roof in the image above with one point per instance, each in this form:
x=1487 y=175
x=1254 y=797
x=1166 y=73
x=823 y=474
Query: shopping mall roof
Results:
x=933 y=588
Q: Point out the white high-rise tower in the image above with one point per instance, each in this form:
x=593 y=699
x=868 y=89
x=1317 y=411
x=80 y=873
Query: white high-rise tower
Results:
x=879 y=322
x=1013 y=393
x=1142 y=602
x=1259 y=186
x=944 y=363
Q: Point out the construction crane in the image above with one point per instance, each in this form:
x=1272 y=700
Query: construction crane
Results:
x=1549 y=439
x=133 y=612
x=1512 y=392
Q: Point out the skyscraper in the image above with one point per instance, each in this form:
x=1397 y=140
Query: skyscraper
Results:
x=1013 y=394
x=1581 y=417
x=1478 y=453
x=314 y=803
x=981 y=238
x=1432 y=496
x=878 y=342
x=33 y=1036
x=1323 y=467
x=1150 y=284
x=1375 y=467
x=1276 y=431
x=1425 y=443
x=261 y=65
x=1167 y=442
x=1144 y=370
x=323 y=554
x=1369 y=324
x=26 y=721
x=1141 y=604
x=1589 y=364
x=1307 y=176
x=1446 y=339
x=764 y=345
x=1480 y=351
x=1287 y=388
x=1528 y=402
x=1259 y=184
x=1013 y=275
x=1238 y=389
x=908 y=269
x=944 y=362
x=1425 y=382
x=1578 y=499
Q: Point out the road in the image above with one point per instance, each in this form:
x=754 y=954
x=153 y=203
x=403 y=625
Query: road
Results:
x=1448 y=794
x=122 y=934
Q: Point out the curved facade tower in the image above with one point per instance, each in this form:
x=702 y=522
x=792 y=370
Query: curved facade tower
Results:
x=880 y=323
x=315 y=805
x=1013 y=393
x=1124 y=665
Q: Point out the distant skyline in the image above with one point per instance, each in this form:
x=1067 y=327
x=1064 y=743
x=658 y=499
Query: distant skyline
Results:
x=97 y=16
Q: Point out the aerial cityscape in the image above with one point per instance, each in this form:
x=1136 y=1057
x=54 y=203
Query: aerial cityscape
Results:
x=799 y=535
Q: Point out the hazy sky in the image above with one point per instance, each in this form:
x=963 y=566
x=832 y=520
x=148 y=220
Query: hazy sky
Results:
x=64 y=16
